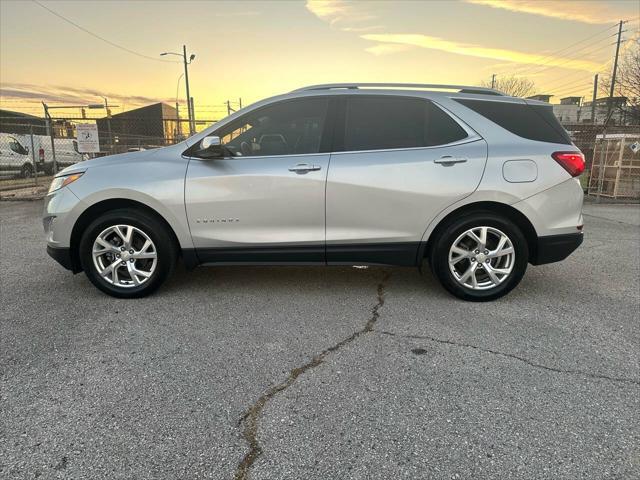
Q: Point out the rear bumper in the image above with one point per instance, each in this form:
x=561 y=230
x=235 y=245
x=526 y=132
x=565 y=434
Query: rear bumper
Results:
x=554 y=248
x=63 y=257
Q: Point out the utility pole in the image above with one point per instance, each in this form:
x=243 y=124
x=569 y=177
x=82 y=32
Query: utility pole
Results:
x=240 y=103
x=186 y=81
x=593 y=101
x=615 y=70
x=493 y=80
x=228 y=108
x=609 y=112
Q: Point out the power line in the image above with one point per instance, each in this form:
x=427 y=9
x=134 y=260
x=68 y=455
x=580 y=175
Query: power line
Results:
x=571 y=84
x=575 y=90
x=555 y=85
x=570 y=87
x=565 y=65
x=568 y=80
x=95 y=35
x=553 y=54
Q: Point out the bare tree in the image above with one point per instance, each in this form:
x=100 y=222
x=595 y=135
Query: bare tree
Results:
x=627 y=83
x=514 y=86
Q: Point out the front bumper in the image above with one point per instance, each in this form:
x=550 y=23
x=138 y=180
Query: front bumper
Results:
x=63 y=257
x=554 y=248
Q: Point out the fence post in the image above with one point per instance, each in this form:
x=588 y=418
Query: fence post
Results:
x=603 y=158
x=51 y=134
x=618 y=170
x=33 y=157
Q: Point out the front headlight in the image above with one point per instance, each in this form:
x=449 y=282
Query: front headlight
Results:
x=63 y=181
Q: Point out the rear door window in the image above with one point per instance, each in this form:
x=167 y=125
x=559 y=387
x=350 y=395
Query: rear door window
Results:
x=534 y=122
x=386 y=122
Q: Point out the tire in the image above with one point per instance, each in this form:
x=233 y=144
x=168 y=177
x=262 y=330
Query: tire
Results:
x=134 y=275
x=26 y=171
x=488 y=281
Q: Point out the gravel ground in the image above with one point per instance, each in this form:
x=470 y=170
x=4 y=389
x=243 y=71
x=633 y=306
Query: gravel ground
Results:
x=316 y=373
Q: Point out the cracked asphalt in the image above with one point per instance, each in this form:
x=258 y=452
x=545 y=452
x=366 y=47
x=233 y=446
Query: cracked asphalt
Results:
x=316 y=373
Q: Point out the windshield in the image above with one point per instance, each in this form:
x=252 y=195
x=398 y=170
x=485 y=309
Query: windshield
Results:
x=17 y=147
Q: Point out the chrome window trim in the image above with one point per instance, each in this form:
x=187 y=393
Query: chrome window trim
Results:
x=246 y=157
x=466 y=140
x=472 y=135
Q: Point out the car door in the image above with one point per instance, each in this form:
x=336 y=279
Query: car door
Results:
x=401 y=161
x=264 y=201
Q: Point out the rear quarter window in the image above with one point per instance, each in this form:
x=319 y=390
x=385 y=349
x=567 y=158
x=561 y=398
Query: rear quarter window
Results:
x=534 y=122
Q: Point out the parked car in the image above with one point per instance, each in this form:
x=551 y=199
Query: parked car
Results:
x=475 y=183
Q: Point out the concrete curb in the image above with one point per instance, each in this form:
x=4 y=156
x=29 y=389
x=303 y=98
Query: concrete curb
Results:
x=22 y=199
x=24 y=194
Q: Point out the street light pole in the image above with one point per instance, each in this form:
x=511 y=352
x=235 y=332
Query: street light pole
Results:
x=179 y=123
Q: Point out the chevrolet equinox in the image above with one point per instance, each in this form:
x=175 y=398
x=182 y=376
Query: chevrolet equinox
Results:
x=477 y=183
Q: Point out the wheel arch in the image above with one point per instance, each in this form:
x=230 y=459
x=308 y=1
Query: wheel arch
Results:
x=26 y=165
x=511 y=213
x=103 y=206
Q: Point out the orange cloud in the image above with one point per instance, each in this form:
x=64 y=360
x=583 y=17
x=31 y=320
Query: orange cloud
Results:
x=577 y=10
x=338 y=12
x=435 y=43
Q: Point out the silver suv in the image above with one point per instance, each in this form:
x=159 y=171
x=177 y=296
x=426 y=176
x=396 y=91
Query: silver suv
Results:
x=477 y=183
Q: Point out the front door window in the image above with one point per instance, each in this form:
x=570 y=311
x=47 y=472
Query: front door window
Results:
x=286 y=128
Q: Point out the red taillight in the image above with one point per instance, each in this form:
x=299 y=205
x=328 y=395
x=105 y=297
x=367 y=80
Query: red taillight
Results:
x=572 y=162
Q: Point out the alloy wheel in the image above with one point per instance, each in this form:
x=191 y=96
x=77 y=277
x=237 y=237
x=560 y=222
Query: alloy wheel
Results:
x=481 y=258
x=124 y=256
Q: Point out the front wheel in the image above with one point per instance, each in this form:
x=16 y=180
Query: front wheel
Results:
x=127 y=254
x=26 y=171
x=480 y=257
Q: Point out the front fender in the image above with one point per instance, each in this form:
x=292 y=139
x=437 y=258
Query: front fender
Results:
x=156 y=182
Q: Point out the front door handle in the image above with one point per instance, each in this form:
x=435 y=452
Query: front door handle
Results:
x=448 y=160
x=303 y=168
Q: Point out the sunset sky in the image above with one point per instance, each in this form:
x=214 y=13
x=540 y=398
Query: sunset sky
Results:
x=261 y=48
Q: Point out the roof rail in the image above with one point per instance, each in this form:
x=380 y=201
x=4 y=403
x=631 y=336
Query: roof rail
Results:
x=425 y=86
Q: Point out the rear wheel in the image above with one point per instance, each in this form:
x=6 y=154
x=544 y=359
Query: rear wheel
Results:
x=480 y=257
x=127 y=254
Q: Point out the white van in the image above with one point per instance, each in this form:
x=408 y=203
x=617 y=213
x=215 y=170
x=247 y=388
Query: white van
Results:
x=66 y=151
x=16 y=158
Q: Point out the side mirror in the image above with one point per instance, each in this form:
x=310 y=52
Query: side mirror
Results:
x=210 y=147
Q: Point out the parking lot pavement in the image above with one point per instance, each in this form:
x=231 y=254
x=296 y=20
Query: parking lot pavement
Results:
x=301 y=372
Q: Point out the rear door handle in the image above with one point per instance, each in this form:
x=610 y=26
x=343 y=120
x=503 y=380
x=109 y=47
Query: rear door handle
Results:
x=448 y=160
x=303 y=168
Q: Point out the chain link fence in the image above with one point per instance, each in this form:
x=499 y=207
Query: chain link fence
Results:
x=612 y=161
x=31 y=153
x=23 y=157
